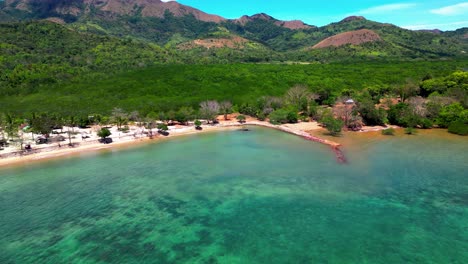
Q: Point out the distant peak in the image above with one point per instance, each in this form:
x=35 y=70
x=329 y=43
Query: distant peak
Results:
x=293 y=24
x=353 y=18
x=433 y=31
x=262 y=16
x=356 y=37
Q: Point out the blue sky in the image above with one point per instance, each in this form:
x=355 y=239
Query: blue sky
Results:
x=418 y=14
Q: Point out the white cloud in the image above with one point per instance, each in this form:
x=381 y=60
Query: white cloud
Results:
x=386 y=8
x=439 y=25
x=453 y=10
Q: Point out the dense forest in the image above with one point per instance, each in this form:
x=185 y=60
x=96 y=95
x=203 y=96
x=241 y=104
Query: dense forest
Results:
x=420 y=94
x=168 y=87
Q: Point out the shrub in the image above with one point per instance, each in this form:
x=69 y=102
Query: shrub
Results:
x=410 y=131
x=162 y=127
x=371 y=115
x=247 y=109
x=292 y=116
x=449 y=114
x=333 y=125
x=388 y=132
x=240 y=118
x=103 y=133
x=124 y=129
x=197 y=124
x=283 y=116
x=261 y=116
x=458 y=127
x=425 y=123
x=396 y=114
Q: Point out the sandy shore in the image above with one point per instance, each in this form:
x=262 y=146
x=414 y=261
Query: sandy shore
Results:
x=91 y=145
x=136 y=137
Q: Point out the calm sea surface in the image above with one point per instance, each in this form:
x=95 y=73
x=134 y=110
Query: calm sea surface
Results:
x=243 y=197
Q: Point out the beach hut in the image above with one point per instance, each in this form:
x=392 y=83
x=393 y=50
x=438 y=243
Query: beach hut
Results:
x=349 y=102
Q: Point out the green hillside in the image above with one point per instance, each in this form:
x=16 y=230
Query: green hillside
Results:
x=37 y=54
x=279 y=43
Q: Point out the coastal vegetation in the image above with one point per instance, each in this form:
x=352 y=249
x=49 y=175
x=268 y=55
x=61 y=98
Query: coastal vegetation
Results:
x=415 y=103
x=388 y=131
x=103 y=133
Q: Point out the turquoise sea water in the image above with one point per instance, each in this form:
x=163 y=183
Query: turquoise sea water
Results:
x=242 y=197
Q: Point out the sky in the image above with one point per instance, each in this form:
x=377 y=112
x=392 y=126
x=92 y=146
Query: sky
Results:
x=417 y=14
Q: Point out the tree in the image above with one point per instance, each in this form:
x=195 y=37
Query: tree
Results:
x=119 y=117
x=299 y=96
x=370 y=114
x=240 y=118
x=435 y=104
x=401 y=114
x=2 y=125
x=162 y=129
x=458 y=127
x=284 y=115
x=150 y=123
x=103 y=133
x=345 y=112
x=162 y=117
x=198 y=124
x=226 y=108
x=410 y=88
x=248 y=109
x=332 y=124
x=11 y=126
x=184 y=114
x=42 y=124
x=71 y=121
x=209 y=110
x=451 y=113
x=134 y=116
x=313 y=109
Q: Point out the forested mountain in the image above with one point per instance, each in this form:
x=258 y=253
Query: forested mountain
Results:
x=179 y=27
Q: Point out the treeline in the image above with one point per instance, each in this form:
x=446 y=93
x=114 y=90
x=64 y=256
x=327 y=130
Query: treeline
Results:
x=431 y=102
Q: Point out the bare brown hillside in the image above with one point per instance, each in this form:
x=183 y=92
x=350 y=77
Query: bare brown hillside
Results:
x=148 y=8
x=352 y=37
x=293 y=24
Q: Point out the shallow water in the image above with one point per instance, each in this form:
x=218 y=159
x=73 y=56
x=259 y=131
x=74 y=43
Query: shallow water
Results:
x=243 y=197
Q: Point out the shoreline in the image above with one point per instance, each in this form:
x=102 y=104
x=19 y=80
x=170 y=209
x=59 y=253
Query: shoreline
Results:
x=53 y=152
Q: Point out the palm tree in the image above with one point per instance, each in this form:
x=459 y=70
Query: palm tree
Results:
x=225 y=108
x=71 y=121
x=119 y=117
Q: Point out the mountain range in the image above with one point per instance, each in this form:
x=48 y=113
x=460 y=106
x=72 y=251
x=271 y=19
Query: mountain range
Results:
x=186 y=29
